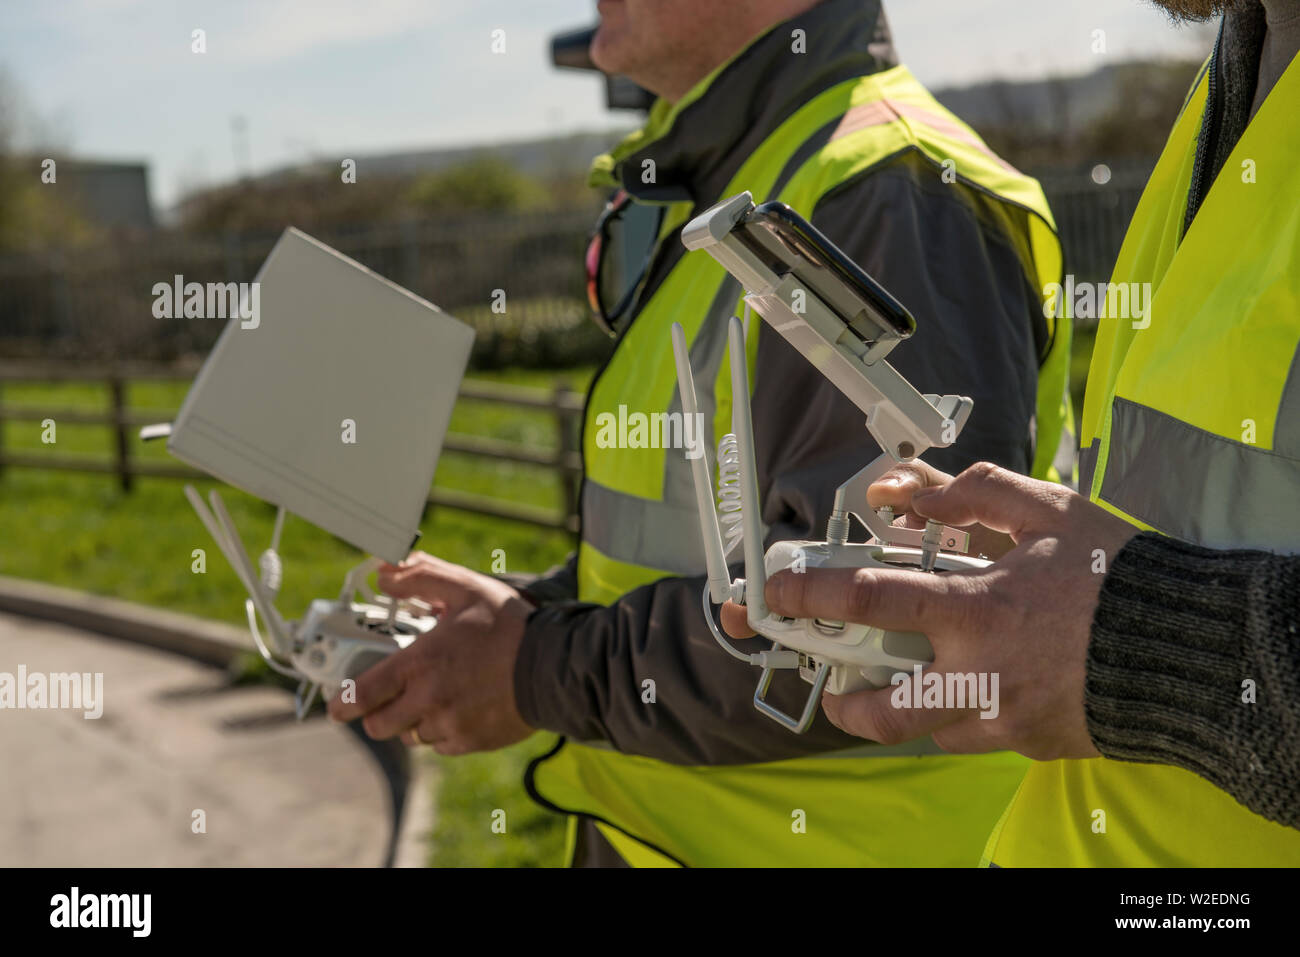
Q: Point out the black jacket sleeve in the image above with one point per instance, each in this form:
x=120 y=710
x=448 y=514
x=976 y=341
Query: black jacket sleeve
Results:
x=582 y=669
x=1195 y=661
x=556 y=584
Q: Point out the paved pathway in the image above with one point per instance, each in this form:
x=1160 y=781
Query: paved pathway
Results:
x=173 y=738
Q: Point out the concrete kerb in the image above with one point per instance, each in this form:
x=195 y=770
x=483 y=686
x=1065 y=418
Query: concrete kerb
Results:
x=214 y=643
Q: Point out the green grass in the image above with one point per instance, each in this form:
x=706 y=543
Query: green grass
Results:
x=475 y=786
x=81 y=531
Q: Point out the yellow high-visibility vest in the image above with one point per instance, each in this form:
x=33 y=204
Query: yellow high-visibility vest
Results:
x=871 y=805
x=1191 y=427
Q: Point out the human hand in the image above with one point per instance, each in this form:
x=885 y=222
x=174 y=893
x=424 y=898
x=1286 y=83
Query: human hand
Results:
x=897 y=487
x=452 y=689
x=1025 y=619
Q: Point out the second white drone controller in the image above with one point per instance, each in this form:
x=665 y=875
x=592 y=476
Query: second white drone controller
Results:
x=337 y=641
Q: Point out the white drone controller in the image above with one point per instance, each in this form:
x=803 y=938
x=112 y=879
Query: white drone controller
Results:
x=335 y=640
x=843 y=323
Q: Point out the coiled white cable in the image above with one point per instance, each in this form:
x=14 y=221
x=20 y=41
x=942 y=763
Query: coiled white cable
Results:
x=730 y=517
x=272 y=575
x=269 y=564
x=731 y=520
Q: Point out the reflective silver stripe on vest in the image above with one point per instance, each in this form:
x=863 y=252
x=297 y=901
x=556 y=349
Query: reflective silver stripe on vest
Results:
x=639 y=531
x=1286 y=430
x=1088 y=466
x=666 y=534
x=884 y=110
x=1201 y=487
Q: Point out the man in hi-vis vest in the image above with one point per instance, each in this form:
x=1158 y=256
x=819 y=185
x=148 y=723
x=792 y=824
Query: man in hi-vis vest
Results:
x=663 y=758
x=1146 y=636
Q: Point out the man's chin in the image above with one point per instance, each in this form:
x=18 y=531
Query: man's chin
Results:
x=1195 y=11
x=606 y=50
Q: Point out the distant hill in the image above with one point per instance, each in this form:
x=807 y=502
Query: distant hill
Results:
x=540 y=158
x=1048 y=103
x=1119 y=113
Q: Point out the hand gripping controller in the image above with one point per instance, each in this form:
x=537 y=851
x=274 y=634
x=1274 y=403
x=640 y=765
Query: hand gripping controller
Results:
x=335 y=640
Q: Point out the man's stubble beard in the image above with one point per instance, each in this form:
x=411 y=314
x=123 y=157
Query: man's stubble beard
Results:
x=1194 y=11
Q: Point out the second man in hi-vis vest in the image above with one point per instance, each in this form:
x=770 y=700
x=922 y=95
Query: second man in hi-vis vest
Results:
x=1145 y=631
x=662 y=758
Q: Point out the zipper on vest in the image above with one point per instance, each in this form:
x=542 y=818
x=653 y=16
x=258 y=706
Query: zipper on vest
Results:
x=1209 y=133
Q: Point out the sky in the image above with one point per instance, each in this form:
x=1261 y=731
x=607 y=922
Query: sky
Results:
x=304 y=79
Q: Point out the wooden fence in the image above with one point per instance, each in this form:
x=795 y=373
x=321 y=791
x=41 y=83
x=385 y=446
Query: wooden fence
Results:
x=563 y=404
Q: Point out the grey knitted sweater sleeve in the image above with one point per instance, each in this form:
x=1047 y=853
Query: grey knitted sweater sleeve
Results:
x=1194 y=661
